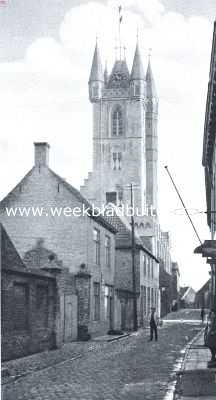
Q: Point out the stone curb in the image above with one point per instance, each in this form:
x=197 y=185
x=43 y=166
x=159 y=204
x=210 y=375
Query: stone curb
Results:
x=177 y=394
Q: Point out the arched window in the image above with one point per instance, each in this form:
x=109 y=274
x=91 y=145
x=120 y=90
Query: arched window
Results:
x=117 y=122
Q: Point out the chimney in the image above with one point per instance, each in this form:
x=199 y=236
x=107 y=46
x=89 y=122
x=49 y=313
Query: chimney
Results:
x=41 y=154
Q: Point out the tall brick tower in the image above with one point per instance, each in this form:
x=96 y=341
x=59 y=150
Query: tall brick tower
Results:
x=124 y=134
x=151 y=119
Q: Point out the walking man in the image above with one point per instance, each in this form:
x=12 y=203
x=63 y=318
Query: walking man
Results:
x=153 y=326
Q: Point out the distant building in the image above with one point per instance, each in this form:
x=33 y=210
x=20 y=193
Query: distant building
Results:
x=146 y=274
x=175 y=285
x=202 y=298
x=84 y=243
x=165 y=283
x=187 y=297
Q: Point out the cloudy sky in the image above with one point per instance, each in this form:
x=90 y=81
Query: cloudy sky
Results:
x=46 y=49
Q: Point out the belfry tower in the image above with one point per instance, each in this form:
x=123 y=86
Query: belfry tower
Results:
x=125 y=110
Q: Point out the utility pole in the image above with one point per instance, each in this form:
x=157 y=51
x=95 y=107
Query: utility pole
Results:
x=135 y=324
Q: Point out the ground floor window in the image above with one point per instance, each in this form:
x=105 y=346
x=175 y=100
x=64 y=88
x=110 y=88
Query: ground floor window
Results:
x=108 y=302
x=149 y=299
x=21 y=305
x=96 y=301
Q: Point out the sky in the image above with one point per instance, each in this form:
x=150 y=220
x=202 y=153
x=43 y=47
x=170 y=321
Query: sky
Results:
x=46 y=49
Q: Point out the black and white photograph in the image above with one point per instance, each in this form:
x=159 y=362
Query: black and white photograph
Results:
x=108 y=199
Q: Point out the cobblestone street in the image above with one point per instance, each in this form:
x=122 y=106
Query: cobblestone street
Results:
x=131 y=369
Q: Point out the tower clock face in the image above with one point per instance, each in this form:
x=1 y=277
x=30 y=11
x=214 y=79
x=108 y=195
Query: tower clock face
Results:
x=118 y=78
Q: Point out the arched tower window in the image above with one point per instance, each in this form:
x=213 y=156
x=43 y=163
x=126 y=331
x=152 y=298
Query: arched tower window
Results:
x=117 y=122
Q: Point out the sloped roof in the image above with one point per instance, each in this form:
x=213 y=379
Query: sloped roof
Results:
x=96 y=68
x=99 y=219
x=124 y=232
x=137 y=71
x=8 y=253
x=150 y=83
x=184 y=291
x=10 y=259
x=205 y=287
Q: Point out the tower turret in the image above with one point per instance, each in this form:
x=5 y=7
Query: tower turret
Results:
x=105 y=75
x=96 y=79
x=151 y=92
x=151 y=141
x=137 y=78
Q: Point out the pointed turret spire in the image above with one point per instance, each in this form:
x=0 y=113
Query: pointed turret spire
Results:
x=137 y=69
x=150 y=83
x=96 y=69
x=105 y=74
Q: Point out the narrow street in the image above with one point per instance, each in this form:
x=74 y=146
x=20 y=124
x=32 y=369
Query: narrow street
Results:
x=128 y=369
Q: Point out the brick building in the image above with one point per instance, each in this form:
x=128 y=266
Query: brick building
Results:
x=28 y=299
x=203 y=295
x=146 y=273
x=208 y=248
x=175 y=285
x=83 y=243
x=187 y=297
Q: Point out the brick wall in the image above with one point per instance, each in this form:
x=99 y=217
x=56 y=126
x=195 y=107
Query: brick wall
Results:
x=28 y=313
x=71 y=238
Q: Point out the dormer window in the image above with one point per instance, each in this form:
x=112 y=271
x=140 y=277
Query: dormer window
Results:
x=117 y=122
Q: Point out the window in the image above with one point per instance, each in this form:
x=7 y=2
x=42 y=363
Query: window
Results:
x=21 y=303
x=149 y=298
x=108 y=303
x=152 y=297
x=136 y=89
x=96 y=301
x=107 y=251
x=114 y=160
x=149 y=266
x=117 y=122
x=111 y=197
x=96 y=237
x=117 y=161
x=155 y=297
x=152 y=269
x=95 y=91
x=145 y=300
x=120 y=197
x=144 y=265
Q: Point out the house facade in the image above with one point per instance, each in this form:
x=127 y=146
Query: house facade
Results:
x=28 y=300
x=45 y=214
x=187 y=297
x=146 y=273
x=203 y=296
x=208 y=248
